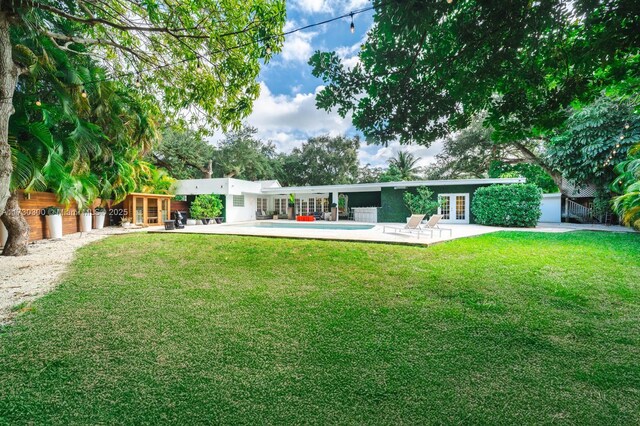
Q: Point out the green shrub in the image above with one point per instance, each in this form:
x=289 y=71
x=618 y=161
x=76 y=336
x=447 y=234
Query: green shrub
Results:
x=507 y=205
x=206 y=207
x=421 y=203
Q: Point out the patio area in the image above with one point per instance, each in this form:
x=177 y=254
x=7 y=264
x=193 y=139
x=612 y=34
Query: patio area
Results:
x=327 y=231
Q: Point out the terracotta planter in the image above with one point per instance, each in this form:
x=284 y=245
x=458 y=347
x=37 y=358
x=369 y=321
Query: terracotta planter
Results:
x=98 y=220
x=54 y=226
x=85 y=222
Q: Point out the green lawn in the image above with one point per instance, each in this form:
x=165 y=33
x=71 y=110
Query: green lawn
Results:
x=190 y=329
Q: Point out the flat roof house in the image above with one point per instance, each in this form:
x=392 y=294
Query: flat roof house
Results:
x=366 y=202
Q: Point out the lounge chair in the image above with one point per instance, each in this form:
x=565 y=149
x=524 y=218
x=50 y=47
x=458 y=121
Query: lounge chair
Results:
x=432 y=224
x=413 y=225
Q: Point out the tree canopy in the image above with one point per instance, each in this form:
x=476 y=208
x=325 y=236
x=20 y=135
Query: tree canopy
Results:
x=184 y=153
x=200 y=59
x=427 y=67
x=322 y=160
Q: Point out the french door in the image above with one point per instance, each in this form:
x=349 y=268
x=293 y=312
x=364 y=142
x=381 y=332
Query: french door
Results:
x=454 y=208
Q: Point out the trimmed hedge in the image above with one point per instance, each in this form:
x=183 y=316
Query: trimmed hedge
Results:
x=515 y=205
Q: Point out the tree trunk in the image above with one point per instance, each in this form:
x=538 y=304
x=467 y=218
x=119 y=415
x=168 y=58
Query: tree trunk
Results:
x=530 y=157
x=8 y=78
x=17 y=227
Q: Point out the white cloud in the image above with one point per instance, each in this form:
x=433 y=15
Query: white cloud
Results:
x=379 y=155
x=329 y=6
x=290 y=120
x=297 y=46
x=313 y=6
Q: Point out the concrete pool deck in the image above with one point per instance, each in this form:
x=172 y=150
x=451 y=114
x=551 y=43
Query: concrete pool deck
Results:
x=375 y=234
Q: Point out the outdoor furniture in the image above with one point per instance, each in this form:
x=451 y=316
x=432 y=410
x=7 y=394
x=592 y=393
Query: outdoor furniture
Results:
x=169 y=225
x=432 y=224
x=262 y=215
x=318 y=215
x=413 y=225
x=305 y=219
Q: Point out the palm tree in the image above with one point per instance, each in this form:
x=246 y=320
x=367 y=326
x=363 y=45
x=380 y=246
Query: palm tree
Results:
x=405 y=165
x=80 y=145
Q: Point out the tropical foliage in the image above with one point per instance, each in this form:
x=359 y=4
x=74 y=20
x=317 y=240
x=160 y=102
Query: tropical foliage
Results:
x=80 y=145
x=422 y=202
x=507 y=205
x=593 y=140
x=531 y=172
x=426 y=68
x=322 y=160
x=184 y=153
x=206 y=207
x=200 y=59
x=402 y=167
x=627 y=183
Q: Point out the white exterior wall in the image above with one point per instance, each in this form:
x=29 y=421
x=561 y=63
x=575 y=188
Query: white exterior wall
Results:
x=551 y=207
x=241 y=214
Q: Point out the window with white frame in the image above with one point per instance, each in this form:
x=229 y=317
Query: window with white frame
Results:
x=238 y=201
x=262 y=204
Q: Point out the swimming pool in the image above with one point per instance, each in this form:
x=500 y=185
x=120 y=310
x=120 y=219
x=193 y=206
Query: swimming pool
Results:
x=308 y=225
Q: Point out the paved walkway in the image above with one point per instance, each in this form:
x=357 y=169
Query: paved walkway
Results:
x=376 y=234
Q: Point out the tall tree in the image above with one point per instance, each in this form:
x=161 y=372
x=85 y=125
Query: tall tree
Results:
x=427 y=66
x=185 y=154
x=472 y=153
x=322 y=160
x=78 y=147
x=200 y=56
x=244 y=156
x=369 y=174
x=594 y=140
x=405 y=165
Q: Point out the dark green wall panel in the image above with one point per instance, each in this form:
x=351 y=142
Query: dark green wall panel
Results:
x=392 y=205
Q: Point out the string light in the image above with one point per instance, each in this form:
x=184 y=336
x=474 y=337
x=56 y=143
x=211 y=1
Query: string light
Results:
x=38 y=103
x=352 y=26
x=198 y=66
x=138 y=83
x=626 y=125
x=268 y=48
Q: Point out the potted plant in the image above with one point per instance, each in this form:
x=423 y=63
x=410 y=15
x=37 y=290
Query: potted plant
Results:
x=85 y=220
x=101 y=213
x=53 y=217
x=206 y=207
x=292 y=206
x=423 y=202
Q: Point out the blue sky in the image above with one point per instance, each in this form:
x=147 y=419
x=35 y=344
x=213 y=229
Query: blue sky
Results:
x=285 y=112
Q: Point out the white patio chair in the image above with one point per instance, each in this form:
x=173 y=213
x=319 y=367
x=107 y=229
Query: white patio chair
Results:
x=432 y=224
x=413 y=225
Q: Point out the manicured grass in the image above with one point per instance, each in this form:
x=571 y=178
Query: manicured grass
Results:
x=516 y=328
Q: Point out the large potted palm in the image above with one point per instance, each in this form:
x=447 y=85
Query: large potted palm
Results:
x=53 y=217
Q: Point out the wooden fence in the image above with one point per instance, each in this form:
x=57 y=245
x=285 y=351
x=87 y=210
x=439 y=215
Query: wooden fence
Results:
x=34 y=203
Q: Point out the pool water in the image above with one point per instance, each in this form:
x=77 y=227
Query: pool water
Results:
x=308 y=225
